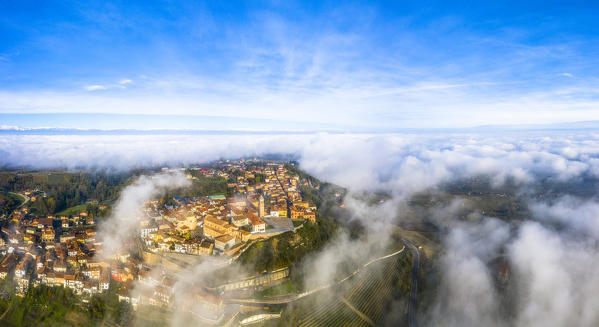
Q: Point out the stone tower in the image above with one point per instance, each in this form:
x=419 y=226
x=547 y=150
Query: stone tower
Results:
x=261 y=207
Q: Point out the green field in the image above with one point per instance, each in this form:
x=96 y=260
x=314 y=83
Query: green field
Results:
x=72 y=210
x=287 y=287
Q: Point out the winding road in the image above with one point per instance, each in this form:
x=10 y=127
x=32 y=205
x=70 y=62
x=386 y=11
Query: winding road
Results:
x=413 y=296
x=23 y=196
x=292 y=298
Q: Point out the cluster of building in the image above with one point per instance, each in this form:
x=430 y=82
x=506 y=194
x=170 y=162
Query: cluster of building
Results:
x=64 y=250
x=202 y=225
x=220 y=225
x=53 y=251
x=281 y=190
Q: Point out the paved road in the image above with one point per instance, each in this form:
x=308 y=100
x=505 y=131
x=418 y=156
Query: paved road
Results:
x=413 y=298
x=294 y=297
x=414 y=284
x=21 y=205
x=24 y=196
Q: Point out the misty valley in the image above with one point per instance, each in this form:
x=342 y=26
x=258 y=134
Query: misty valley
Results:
x=258 y=241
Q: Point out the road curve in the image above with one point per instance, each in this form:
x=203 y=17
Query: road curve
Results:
x=291 y=298
x=24 y=197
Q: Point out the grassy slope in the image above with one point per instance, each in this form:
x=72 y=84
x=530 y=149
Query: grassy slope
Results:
x=73 y=210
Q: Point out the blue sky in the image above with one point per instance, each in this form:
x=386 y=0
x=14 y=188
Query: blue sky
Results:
x=298 y=65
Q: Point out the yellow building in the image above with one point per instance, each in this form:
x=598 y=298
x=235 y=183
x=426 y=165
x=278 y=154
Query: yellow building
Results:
x=302 y=204
x=298 y=212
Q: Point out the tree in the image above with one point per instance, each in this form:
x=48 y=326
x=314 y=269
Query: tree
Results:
x=96 y=307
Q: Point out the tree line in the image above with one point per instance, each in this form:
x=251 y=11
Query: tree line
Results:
x=64 y=189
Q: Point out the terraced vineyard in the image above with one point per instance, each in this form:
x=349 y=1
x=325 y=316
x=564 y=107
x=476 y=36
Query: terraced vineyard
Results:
x=363 y=302
x=334 y=313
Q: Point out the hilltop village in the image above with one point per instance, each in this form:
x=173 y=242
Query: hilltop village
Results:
x=266 y=208
x=263 y=199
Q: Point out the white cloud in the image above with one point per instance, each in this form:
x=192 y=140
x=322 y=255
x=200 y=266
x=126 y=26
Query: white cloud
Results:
x=398 y=162
x=122 y=84
x=10 y=128
x=277 y=68
x=128 y=211
x=95 y=87
x=467 y=296
x=453 y=107
x=551 y=269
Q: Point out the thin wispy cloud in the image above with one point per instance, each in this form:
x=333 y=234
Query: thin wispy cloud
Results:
x=122 y=84
x=384 y=67
x=95 y=87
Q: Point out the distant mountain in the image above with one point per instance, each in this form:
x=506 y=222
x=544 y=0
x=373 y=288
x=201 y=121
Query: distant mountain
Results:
x=113 y=124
